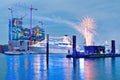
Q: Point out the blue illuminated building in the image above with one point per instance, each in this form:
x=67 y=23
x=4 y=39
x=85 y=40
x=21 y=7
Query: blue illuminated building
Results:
x=19 y=36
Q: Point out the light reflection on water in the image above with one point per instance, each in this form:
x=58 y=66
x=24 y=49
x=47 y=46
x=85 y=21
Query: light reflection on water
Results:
x=33 y=67
x=27 y=67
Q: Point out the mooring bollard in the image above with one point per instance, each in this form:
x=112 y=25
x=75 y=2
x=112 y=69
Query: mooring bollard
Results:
x=47 y=51
x=74 y=51
x=74 y=46
x=113 y=46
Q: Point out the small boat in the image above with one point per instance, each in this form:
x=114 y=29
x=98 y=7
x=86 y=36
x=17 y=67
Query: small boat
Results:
x=14 y=52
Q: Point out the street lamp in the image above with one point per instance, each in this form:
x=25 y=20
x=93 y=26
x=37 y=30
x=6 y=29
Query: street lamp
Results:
x=31 y=8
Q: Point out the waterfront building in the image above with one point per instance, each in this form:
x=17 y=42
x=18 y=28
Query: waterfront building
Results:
x=19 y=36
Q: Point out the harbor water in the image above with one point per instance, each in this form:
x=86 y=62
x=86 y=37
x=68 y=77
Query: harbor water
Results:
x=33 y=67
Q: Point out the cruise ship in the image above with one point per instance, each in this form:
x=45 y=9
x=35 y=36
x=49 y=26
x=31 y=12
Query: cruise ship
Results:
x=62 y=44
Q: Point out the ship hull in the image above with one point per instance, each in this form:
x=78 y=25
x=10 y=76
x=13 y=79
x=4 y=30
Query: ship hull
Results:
x=42 y=50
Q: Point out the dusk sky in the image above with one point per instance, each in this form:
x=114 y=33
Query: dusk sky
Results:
x=60 y=16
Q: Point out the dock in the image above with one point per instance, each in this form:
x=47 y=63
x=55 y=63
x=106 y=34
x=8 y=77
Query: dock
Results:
x=92 y=55
x=93 y=51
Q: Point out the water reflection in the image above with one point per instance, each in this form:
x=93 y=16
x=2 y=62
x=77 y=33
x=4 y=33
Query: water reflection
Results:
x=59 y=67
x=78 y=69
x=33 y=67
x=16 y=68
x=11 y=71
x=37 y=67
x=96 y=69
x=29 y=67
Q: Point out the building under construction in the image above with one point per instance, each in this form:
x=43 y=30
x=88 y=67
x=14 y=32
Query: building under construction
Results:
x=20 y=37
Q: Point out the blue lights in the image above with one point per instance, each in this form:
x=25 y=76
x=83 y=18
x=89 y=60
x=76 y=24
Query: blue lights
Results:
x=17 y=32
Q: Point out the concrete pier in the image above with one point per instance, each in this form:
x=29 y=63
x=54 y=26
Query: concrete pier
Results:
x=93 y=55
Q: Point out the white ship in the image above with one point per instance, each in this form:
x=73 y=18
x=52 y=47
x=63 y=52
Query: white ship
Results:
x=61 y=44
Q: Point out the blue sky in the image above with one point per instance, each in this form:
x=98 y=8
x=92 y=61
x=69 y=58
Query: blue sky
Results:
x=57 y=14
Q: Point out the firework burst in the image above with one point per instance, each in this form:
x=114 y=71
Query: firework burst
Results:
x=87 y=29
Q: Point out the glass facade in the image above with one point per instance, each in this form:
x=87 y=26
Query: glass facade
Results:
x=17 y=32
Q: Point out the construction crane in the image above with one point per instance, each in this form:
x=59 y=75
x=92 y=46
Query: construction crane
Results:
x=31 y=9
x=21 y=18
